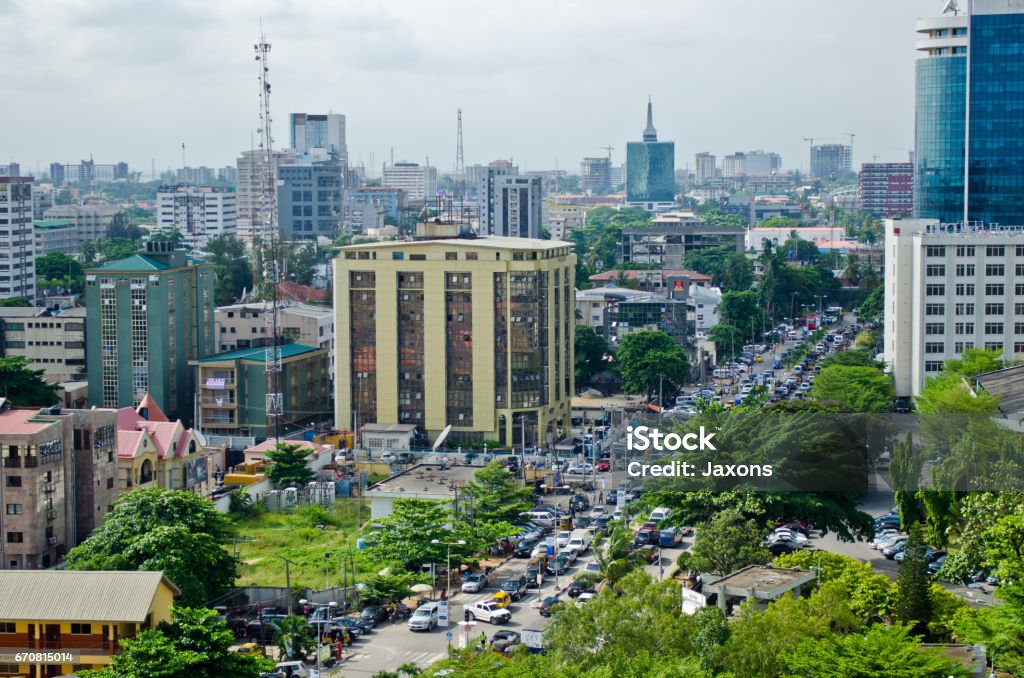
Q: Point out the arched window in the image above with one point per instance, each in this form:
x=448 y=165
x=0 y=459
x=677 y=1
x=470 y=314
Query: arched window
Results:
x=146 y=474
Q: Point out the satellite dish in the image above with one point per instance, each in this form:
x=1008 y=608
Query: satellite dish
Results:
x=441 y=438
x=951 y=6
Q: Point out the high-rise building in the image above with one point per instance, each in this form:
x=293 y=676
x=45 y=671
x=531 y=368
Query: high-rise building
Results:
x=253 y=215
x=475 y=333
x=650 y=169
x=596 y=174
x=310 y=200
x=10 y=170
x=196 y=175
x=831 y=161
x=950 y=287
x=86 y=172
x=761 y=163
x=57 y=173
x=887 y=188
x=197 y=212
x=968 y=79
x=319 y=131
x=704 y=167
x=228 y=174
x=511 y=204
x=418 y=181
x=17 y=239
x=147 y=317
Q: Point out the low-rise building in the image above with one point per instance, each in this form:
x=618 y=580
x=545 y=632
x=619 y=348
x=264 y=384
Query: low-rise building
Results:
x=657 y=280
x=55 y=235
x=92 y=220
x=234 y=398
x=423 y=481
x=671 y=236
x=767 y=207
x=52 y=341
x=87 y=612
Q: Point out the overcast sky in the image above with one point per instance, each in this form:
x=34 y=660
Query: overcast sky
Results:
x=544 y=82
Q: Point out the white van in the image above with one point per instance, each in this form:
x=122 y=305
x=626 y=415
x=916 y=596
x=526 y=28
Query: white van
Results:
x=722 y=373
x=660 y=513
x=579 y=541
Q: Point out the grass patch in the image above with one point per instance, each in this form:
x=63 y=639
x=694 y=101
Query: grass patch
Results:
x=294 y=535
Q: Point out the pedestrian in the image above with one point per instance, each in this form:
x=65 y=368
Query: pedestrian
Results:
x=483 y=640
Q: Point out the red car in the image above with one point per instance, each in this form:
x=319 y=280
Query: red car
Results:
x=604 y=464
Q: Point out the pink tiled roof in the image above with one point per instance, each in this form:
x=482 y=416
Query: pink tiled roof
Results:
x=164 y=433
x=155 y=413
x=128 y=443
x=127 y=419
x=16 y=422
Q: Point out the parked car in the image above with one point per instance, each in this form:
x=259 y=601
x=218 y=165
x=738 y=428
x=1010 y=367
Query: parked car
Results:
x=547 y=605
x=598 y=512
x=604 y=464
x=515 y=588
x=424 y=618
x=532 y=574
x=251 y=648
x=388 y=458
x=612 y=498
x=475 y=583
x=586 y=468
x=374 y=614
x=488 y=611
x=670 y=538
x=505 y=641
x=524 y=548
x=580 y=503
x=296 y=669
x=646 y=536
x=633 y=495
x=558 y=565
x=576 y=588
x=406 y=458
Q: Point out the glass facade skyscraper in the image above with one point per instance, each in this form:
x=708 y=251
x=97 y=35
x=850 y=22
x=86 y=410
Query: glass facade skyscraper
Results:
x=970 y=115
x=650 y=167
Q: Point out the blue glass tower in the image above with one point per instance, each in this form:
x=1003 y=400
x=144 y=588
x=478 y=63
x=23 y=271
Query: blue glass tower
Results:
x=650 y=167
x=970 y=115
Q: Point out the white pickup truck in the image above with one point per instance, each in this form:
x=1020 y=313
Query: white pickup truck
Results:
x=488 y=611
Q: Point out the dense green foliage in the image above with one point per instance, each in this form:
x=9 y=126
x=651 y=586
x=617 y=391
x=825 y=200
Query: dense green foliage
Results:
x=179 y=533
x=24 y=386
x=194 y=644
x=727 y=543
x=494 y=495
x=231 y=266
x=591 y=349
x=58 y=270
x=289 y=463
x=649 y=359
x=855 y=389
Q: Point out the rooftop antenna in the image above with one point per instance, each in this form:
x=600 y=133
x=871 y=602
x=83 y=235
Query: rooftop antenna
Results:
x=267 y=241
x=460 y=165
x=183 y=163
x=951 y=6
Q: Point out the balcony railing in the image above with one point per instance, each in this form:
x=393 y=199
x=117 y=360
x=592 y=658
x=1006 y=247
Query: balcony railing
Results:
x=215 y=401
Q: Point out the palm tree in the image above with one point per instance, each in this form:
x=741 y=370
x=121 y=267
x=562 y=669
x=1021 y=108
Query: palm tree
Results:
x=409 y=669
x=295 y=636
x=852 y=269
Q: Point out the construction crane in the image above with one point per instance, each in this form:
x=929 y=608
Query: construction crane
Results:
x=609 y=149
x=851 y=135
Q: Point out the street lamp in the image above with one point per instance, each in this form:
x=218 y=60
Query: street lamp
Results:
x=448 y=563
x=327 y=617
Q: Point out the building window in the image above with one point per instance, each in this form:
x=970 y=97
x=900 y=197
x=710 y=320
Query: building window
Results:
x=965 y=270
x=932 y=365
x=935 y=290
x=933 y=270
x=14 y=509
x=1018 y=289
x=8 y=627
x=15 y=537
x=962 y=346
x=81 y=629
x=995 y=269
x=965 y=250
x=1018 y=309
x=964 y=328
x=935 y=309
x=935 y=251
x=993 y=346
x=993 y=328
x=451 y=256
x=1018 y=347
x=995 y=251
x=995 y=289
x=1018 y=328
x=13 y=481
x=470 y=256
x=934 y=347
x=934 y=328
x=965 y=289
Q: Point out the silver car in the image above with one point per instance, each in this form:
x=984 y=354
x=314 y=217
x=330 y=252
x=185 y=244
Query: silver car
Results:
x=424 y=618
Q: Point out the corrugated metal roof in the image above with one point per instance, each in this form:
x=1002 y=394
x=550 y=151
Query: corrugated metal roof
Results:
x=1008 y=384
x=78 y=596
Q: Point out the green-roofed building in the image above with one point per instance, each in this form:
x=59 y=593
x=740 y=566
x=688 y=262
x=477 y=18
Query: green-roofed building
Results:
x=55 y=235
x=233 y=390
x=148 y=315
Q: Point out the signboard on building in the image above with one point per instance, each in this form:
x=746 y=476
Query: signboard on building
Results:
x=196 y=471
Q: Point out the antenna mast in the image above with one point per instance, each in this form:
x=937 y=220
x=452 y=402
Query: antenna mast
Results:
x=267 y=240
x=460 y=165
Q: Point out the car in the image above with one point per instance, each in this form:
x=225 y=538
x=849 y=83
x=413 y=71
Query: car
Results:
x=562 y=540
x=505 y=641
x=251 y=648
x=524 y=548
x=592 y=568
x=374 y=614
x=936 y=565
x=351 y=624
x=586 y=468
x=534 y=576
x=601 y=524
x=617 y=514
x=388 y=458
x=475 y=582
x=612 y=498
x=515 y=587
x=502 y=598
x=296 y=669
x=890 y=551
x=887 y=539
x=645 y=536
x=576 y=588
x=670 y=538
x=650 y=525
x=598 y=512
x=585 y=598
x=547 y=605
x=604 y=464
x=570 y=554
x=579 y=503
x=406 y=458
x=558 y=565
x=488 y=611
x=539 y=551
x=633 y=495
x=424 y=618
x=579 y=542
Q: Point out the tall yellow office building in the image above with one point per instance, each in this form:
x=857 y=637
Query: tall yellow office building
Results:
x=472 y=332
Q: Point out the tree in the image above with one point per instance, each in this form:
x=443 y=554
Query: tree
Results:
x=289 y=464
x=406 y=536
x=121 y=226
x=852 y=359
x=591 y=349
x=495 y=495
x=16 y=302
x=231 y=266
x=194 y=644
x=882 y=651
x=740 y=310
x=644 y=358
x=728 y=341
x=737 y=273
x=24 y=386
x=169 y=235
x=60 y=270
x=856 y=389
x=728 y=543
x=301 y=263
x=874 y=305
x=296 y=637
x=174 y=531
x=913 y=601
x=115 y=249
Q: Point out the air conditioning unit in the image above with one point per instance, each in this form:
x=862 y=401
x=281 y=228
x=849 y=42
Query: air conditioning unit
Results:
x=52 y=541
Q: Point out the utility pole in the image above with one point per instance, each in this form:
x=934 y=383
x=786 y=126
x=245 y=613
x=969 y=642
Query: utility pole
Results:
x=287 y=581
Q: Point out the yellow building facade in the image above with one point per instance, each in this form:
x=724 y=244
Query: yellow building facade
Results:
x=476 y=333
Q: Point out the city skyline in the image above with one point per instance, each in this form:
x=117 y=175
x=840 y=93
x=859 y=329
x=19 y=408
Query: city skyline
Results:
x=719 y=81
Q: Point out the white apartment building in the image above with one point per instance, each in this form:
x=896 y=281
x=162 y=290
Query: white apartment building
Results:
x=418 y=181
x=950 y=287
x=512 y=206
x=252 y=213
x=52 y=341
x=704 y=167
x=92 y=220
x=17 y=239
x=199 y=213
